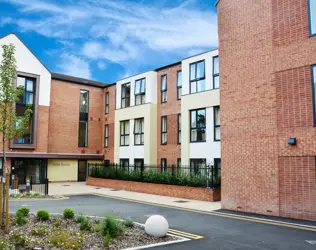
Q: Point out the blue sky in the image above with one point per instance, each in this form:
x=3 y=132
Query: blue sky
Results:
x=107 y=40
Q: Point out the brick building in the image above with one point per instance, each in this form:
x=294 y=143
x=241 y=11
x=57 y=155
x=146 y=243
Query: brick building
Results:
x=267 y=52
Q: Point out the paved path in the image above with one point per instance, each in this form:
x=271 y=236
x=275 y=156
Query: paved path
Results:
x=219 y=231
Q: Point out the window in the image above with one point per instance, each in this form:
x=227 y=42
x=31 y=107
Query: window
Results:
x=124 y=163
x=139 y=131
x=1 y=168
x=106 y=102
x=106 y=136
x=197 y=77
x=179 y=85
x=163 y=164
x=124 y=138
x=164 y=88
x=198 y=125
x=138 y=163
x=196 y=165
x=312 y=17
x=140 y=88
x=179 y=128
x=217 y=124
x=164 y=130
x=83 y=118
x=216 y=181
x=26 y=100
x=179 y=162
x=314 y=91
x=106 y=163
x=215 y=72
x=126 y=95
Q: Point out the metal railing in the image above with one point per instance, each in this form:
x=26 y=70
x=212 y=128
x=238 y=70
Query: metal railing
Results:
x=208 y=176
x=37 y=186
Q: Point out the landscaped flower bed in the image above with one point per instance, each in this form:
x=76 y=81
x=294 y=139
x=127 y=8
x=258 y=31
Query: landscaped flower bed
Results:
x=70 y=231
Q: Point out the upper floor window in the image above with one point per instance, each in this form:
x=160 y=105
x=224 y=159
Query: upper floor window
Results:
x=106 y=136
x=164 y=88
x=126 y=95
x=198 y=125
x=179 y=84
x=179 y=128
x=314 y=91
x=197 y=77
x=164 y=130
x=312 y=17
x=106 y=102
x=140 y=88
x=83 y=118
x=139 y=131
x=124 y=138
x=217 y=124
x=215 y=72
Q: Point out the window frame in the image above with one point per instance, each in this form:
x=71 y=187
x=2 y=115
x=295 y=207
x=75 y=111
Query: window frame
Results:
x=107 y=102
x=216 y=125
x=313 y=66
x=163 y=91
x=196 y=128
x=163 y=169
x=124 y=135
x=215 y=74
x=87 y=121
x=106 y=137
x=196 y=79
x=310 y=19
x=123 y=87
x=179 y=128
x=163 y=132
x=179 y=87
x=141 y=133
x=140 y=93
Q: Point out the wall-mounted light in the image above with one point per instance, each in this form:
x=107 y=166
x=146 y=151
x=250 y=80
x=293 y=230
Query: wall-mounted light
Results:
x=291 y=141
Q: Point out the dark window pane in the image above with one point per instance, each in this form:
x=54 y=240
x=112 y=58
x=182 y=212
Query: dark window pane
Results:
x=83 y=134
x=127 y=90
x=200 y=70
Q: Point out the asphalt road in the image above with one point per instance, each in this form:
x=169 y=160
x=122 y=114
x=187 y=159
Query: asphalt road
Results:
x=219 y=232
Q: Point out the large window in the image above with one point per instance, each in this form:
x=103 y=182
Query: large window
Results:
x=312 y=17
x=179 y=85
x=83 y=118
x=106 y=136
x=164 y=130
x=179 y=128
x=124 y=138
x=138 y=163
x=164 y=88
x=26 y=100
x=33 y=168
x=124 y=163
x=198 y=125
x=140 y=91
x=107 y=102
x=196 y=165
x=126 y=95
x=215 y=72
x=217 y=124
x=139 y=131
x=197 y=77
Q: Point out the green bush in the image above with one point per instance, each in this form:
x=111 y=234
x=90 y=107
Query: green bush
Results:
x=19 y=239
x=64 y=240
x=5 y=245
x=68 y=213
x=24 y=210
x=42 y=215
x=107 y=240
x=85 y=224
x=128 y=222
x=79 y=217
x=35 y=194
x=40 y=231
x=112 y=226
x=20 y=219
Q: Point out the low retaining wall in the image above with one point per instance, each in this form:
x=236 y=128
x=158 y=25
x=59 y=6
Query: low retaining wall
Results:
x=194 y=193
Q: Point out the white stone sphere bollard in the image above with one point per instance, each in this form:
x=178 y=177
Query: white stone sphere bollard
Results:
x=157 y=226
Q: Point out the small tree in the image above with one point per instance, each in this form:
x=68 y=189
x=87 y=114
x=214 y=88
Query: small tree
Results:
x=11 y=125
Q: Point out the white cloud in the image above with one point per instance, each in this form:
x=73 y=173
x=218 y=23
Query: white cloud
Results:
x=75 y=66
x=101 y=65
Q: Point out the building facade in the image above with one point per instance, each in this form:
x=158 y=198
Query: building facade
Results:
x=268 y=106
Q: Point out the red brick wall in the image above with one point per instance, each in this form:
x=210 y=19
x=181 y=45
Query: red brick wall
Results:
x=171 y=109
x=109 y=119
x=64 y=118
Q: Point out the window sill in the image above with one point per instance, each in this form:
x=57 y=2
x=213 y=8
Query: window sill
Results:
x=124 y=145
x=138 y=144
x=23 y=146
x=196 y=141
x=217 y=140
x=82 y=147
x=163 y=144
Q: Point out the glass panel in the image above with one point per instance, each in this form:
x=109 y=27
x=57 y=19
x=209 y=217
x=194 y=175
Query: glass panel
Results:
x=164 y=82
x=126 y=140
x=143 y=99
x=164 y=124
x=217 y=115
x=1 y=169
x=83 y=132
x=164 y=138
x=193 y=119
x=122 y=128
x=218 y=133
x=127 y=102
x=106 y=131
x=122 y=141
x=106 y=142
x=142 y=139
x=179 y=122
x=192 y=71
x=84 y=101
x=201 y=135
x=164 y=96
x=123 y=91
x=20 y=82
x=179 y=93
x=200 y=70
x=312 y=9
x=137 y=86
x=29 y=98
x=179 y=80
x=215 y=65
x=193 y=135
x=143 y=87
x=201 y=118
x=137 y=128
x=127 y=127
x=127 y=90
x=216 y=82
x=193 y=87
x=201 y=86
x=29 y=85
x=138 y=100
x=137 y=139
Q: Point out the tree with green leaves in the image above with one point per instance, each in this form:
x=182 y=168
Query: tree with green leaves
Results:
x=11 y=125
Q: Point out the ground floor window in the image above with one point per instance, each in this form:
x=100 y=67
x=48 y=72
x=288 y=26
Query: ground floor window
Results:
x=106 y=163
x=33 y=168
x=196 y=165
x=163 y=164
x=124 y=163
x=138 y=163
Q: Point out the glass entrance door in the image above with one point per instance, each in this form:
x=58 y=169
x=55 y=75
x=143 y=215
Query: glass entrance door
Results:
x=82 y=170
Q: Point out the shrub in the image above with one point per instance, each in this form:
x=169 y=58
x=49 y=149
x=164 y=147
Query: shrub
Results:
x=68 y=213
x=85 y=224
x=64 y=240
x=24 y=210
x=107 y=240
x=20 y=218
x=128 y=222
x=40 y=231
x=42 y=215
x=19 y=239
x=112 y=226
x=79 y=217
x=5 y=245
x=35 y=194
